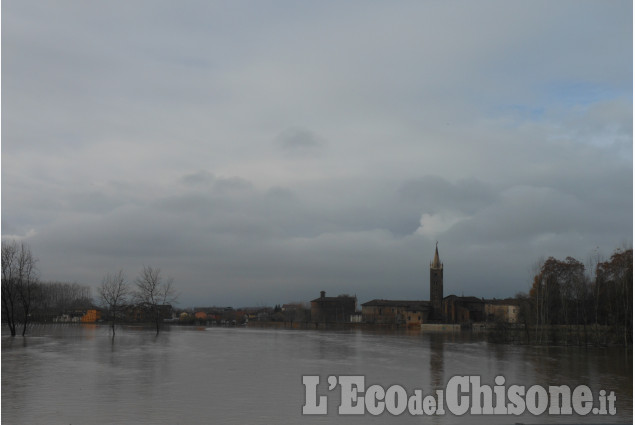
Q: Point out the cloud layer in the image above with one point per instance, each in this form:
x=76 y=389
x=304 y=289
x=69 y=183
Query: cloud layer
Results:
x=260 y=152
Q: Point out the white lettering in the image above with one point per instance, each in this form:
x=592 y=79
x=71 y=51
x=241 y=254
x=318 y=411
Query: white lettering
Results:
x=351 y=387
x=455 y=384
x=582 y=400
x=516 y=405
x=429 y=405
x=554 y=403
x=415 y=403
x=374 y=395
x=310 y=390
x=481 y=406
x=536 y=400
x=396 y=400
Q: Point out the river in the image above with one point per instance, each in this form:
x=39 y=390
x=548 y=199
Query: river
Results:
x=78 y=374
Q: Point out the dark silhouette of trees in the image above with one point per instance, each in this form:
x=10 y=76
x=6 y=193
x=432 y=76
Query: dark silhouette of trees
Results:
x=154 y=294
x=615 y=278
x=113 y=295
x=56 y=298
x=9 y=285
x=19 y=284
x=562 y=294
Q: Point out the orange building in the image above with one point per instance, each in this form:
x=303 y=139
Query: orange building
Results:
x=91 y=316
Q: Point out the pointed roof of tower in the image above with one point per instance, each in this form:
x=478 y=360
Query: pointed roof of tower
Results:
x=436 y=264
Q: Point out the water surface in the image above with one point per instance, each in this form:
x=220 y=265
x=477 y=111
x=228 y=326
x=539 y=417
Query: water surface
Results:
x=77 y=374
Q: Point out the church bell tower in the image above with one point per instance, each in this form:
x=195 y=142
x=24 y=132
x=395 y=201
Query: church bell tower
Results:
x=436 y=286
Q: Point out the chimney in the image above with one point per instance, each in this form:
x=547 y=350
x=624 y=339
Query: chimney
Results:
x=322 y=294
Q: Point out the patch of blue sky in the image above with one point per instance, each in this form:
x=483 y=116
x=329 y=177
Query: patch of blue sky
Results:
x=581 y=94
x=562 y=95
x=522 y=112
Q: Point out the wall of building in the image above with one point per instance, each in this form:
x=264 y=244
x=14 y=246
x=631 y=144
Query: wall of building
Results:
x=332 y=309
x=502 y=312
x=393 y=315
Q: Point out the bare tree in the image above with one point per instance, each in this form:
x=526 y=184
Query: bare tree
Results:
x=19 y=284
x=617 y=274
x=56 y=298
x=9 y=285
x=154 y=294
x=596 y=285
x=113 y=295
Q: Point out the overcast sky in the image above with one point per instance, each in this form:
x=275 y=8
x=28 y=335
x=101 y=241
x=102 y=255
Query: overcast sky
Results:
x=259 y=152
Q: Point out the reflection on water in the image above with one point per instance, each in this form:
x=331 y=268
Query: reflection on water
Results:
x=75 y=374
x=436 y=360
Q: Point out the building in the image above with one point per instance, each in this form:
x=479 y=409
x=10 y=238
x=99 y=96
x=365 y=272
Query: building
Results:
x=451 y=309
x=409 y=313
x=146 y=313
x=332 y=309
x=200 y=316
x=505 y=311
x=463 y=310
x=91 y=316
x=356 y=317
x=436 y=287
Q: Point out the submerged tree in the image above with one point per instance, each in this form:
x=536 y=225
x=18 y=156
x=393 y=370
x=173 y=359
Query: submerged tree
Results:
x=55 y=298
x=616 y=276
x=19 y=284
x=9 y=285
x=555 y=288
x=563 y=294
x=154 y=294
x=113 y=295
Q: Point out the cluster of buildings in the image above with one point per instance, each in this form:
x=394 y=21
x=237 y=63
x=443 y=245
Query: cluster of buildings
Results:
x=79 y=316
x=128 y=313
x=225 y=315
x=450 y=309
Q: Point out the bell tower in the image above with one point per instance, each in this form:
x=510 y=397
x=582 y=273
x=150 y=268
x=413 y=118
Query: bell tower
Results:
x=436 y=286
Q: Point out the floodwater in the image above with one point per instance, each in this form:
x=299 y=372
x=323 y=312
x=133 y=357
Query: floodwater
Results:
x=77 y=374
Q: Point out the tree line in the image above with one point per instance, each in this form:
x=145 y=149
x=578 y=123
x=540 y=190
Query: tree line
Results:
x=566 y=293
x=151 y=294
x=26 y=299
x=563 y=293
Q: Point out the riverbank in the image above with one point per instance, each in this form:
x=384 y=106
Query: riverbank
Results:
x=322 y=325
x=593 y=335
x=500 y=333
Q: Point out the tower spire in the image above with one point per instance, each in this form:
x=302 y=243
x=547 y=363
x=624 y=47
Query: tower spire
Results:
x=436 y=264
x=436 y=286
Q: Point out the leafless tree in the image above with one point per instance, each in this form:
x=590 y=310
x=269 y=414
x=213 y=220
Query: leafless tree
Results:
x=596 y=285
x=19 y=284
x=9 y=285
x=617 y=275
x=154 y=294
x=28 y=287
x=113 y=295
x=57 y=298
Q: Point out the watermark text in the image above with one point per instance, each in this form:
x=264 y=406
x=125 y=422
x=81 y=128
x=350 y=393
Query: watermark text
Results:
x=462 y=395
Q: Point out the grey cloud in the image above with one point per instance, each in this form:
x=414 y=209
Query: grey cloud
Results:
x=259 y=152
x=525 y=212
x=298 y=141
x=233 y=185
x=434 y=193
x=199 y=178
